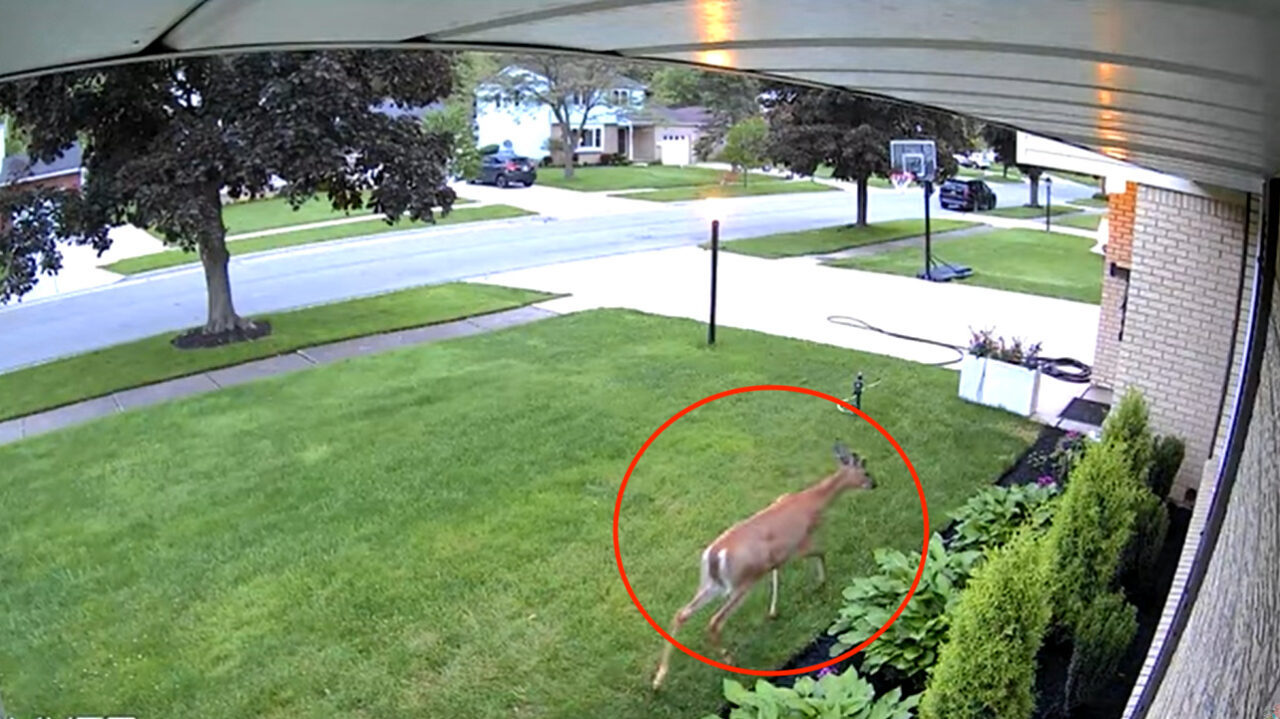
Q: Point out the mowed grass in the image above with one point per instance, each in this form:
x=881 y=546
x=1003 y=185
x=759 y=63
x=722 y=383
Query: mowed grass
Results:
x=994 y=174
x=1030 y=261
x=755 y=187
x=173 y=258
x=1081 y=221
x=1023 y=212
x=633 y=177
x=1088 y=202
x=428 y=532
x=153 y=359
x=840 y=237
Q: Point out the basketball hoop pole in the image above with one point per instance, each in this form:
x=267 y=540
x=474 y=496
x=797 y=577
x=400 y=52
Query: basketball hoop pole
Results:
x=928 y=239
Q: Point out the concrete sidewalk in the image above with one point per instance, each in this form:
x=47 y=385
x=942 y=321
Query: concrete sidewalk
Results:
x=795 y=298
x=34 y=424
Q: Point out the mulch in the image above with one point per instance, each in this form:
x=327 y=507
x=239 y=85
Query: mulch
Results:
x=199 y=339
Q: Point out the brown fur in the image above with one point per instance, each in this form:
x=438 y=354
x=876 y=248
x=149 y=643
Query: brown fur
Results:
x=760 y=544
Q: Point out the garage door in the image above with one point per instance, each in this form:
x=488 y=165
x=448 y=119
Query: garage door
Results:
x=673 y=149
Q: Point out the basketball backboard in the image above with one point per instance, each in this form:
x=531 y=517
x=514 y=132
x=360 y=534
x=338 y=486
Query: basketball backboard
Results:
x=918 y=157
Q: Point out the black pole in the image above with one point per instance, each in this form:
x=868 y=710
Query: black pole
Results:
x=715 y=256
x=1048 y=201
x=928 y=239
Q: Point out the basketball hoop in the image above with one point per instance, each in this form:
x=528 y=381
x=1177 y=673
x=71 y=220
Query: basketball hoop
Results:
x=901 y=180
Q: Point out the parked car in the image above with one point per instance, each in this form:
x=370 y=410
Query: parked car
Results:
x=506 y=170
x=966 y=195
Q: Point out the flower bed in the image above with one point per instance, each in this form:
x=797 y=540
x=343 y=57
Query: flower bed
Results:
x=1087 y=656
x=1002 y=375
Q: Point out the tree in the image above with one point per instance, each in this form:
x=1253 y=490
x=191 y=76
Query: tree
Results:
x=745 y=145
x=567 y=85
x=851 y=134
x=730 y=98
x=163 y=140
x=1004 y=142
x=456 y=117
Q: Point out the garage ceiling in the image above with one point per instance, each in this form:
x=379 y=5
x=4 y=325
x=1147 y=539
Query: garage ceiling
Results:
x=1186 y=87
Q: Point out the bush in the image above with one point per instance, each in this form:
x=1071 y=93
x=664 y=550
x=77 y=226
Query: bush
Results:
x=1151 y=524
x=614 y=159
x=1126 y=425
x=1106 y=628
x=547 y=161
x=1058 y=463
x=1166 y=459
x=993 y=515
x=910 y=645
x=846 y=695
x=1092 y=527
x=987 y=667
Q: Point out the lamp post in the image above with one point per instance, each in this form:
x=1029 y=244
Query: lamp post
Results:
x=1048 y=201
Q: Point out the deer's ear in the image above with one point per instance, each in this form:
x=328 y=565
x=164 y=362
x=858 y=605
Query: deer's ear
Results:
x=842 y=454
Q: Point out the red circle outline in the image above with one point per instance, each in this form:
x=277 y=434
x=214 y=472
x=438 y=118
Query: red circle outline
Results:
x=924 y=509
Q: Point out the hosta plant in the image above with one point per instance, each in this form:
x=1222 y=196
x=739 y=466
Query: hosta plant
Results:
x=833 y=696
x=911 y=643
x=991 y=516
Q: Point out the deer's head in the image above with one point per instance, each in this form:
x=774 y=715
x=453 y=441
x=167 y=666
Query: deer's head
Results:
x=852 y=473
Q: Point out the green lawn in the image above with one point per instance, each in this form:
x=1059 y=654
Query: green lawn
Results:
x=1082 y=221
x=1030 y=261
x=1088 y=202
x=1023 y=212
x=427 y=532
x=273 y=212
x=840 y=237
x=825 y=171
x=995 y=174
x=153 y=359
x=600 y=179
x=756 y=187
x=171 y=258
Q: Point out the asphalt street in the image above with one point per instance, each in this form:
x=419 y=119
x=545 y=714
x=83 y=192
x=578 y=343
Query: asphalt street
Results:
x=171 y=300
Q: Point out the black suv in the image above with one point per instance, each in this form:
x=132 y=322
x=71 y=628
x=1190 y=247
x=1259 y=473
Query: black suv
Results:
x=966 y=195
x=505 y=170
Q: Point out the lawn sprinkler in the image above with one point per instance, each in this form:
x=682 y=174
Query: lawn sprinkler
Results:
x=855 y=399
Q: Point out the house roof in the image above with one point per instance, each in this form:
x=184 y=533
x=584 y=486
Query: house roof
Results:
x=19 y=168
x=691 y=116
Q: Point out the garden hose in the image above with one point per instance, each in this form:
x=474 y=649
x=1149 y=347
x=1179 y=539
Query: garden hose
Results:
x=1062 y=368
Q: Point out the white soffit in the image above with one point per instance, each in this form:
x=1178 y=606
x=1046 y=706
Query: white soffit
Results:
x=1185 y=87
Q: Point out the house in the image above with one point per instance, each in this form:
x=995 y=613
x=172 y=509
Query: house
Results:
x=65 y=171
x=624 y=124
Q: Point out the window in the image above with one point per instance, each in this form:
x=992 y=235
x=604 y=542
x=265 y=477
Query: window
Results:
x=591 y=137
x=621 y=97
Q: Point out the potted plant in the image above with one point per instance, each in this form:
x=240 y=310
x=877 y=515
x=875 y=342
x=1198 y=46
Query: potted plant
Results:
x=1001 y=375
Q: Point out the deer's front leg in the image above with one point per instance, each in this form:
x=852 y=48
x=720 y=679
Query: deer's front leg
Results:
x=773 y=598
x=807 y=549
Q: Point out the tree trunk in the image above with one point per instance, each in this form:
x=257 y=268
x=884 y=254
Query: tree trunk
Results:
x=1035 y=190
x=222 y=315
x=862 y=201
x=1006 y=171
x=570 y=144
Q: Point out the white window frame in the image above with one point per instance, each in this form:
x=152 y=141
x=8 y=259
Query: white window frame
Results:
x=595 y=133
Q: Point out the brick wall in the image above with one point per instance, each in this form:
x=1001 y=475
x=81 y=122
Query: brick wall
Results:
x=1183 y=286
x=1119 y=252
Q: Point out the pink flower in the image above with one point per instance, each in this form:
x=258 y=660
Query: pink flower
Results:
x=1046 y=480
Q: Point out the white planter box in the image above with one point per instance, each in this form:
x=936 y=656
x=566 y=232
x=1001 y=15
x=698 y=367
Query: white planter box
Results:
x=999 y=384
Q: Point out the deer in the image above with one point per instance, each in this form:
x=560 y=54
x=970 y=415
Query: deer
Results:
x=760 y=544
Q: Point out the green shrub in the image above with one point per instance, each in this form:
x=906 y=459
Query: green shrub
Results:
x=1166 y=459
x=910 y=645
x=1127 y=426
x=1092 y=528
x=1151 y=524
x=1102 y=637
x=991 y=516
x=838 y=696
x=987 y=667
